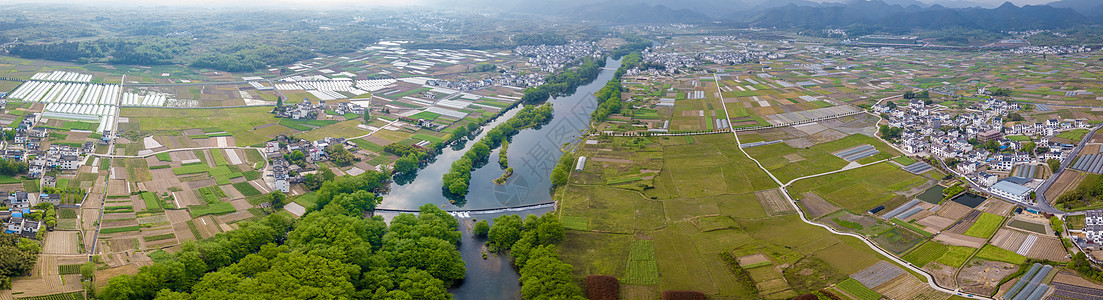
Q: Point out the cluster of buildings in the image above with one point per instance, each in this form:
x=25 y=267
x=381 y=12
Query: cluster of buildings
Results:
x=16 y=219
x=550 y=58
x=26 y=146
x=1051 y=49
x=282 y=170
x=508 y=78
x=1093 y=228
x=927 y=129
x=300 y=111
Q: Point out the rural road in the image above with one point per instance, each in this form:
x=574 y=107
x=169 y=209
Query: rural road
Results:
x=804 y=218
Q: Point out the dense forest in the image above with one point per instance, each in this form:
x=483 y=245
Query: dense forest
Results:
x=246 y=57
x=131 y=52
x=547 y=38
x=332 y=252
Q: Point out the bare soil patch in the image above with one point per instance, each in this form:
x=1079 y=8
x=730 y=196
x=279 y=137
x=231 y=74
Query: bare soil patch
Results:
x=936 y=222
x=981 y=277
x=752 y=259
x=959 y=239
x=1008 y=239
x=815 y=206
x=62 y=242
x=772 y=201
x=1048 y=248
x=953 y=210
x=1068 y=180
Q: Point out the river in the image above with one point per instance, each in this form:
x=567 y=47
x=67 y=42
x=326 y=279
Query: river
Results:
x=533 y=154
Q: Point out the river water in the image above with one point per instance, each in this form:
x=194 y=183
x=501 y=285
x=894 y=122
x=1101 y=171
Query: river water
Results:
x=533 y=154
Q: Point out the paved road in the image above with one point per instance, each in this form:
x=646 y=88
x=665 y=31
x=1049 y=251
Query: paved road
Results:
x=803 y=218
x=1041 y=191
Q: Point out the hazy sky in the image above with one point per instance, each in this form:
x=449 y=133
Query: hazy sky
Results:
x=346 y=3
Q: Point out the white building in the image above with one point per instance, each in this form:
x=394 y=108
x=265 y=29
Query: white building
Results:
x=1010 y=190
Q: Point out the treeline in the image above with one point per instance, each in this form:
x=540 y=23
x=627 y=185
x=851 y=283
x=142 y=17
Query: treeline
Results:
x=332 y=252
x=547 y=38
x=608 y=102
x=532 y=244
x=130 y=52
x=564 y=82
x=609 y=97
x=1082 y=265
x=247 y=57
x=635 y=44
x=17 y=257
x=11 y=167
x=458 y=178
x=1083 y=195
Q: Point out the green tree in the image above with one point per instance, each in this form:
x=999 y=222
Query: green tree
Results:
x=559 y=176
x=1029 y=147
x=278 y=199
x=505 y=232
x=482 y=229
x=1053 y=164
x=406 y=164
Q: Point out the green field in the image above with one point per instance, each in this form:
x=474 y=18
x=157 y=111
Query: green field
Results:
x=856 y=289
x=119 y=229
x=904 y=160
x=153 y=238
x=926 y=253
x=1075 y=134
x=985 y=226
x=246 y=189
x=219 y=208
x=859 y=189
x=701 y=207
x=642 y=267
x=955 y=256
x=575 y=223
x=238 y=122
x=308 y=200
x=153 y=203
x=989 y=252
x=815 y=159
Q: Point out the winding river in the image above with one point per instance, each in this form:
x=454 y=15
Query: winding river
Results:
x=533 y=154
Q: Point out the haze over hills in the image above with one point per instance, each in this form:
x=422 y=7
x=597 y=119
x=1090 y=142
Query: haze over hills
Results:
x=978 y=14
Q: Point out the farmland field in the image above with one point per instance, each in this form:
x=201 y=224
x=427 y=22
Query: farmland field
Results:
x=985 y=226
x=854 y=288
x=691 y=225
x=926 y=253
x=990 y=252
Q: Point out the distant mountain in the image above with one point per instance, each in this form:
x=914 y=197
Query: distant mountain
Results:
x=957 y=4
x=877 y=12
x=888 y=15
x=1085 y=7
x=623 y=12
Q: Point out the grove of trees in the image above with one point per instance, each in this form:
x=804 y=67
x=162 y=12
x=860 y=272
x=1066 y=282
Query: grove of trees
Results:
x=532 y=245
x=17 y=257
x=332 y=252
